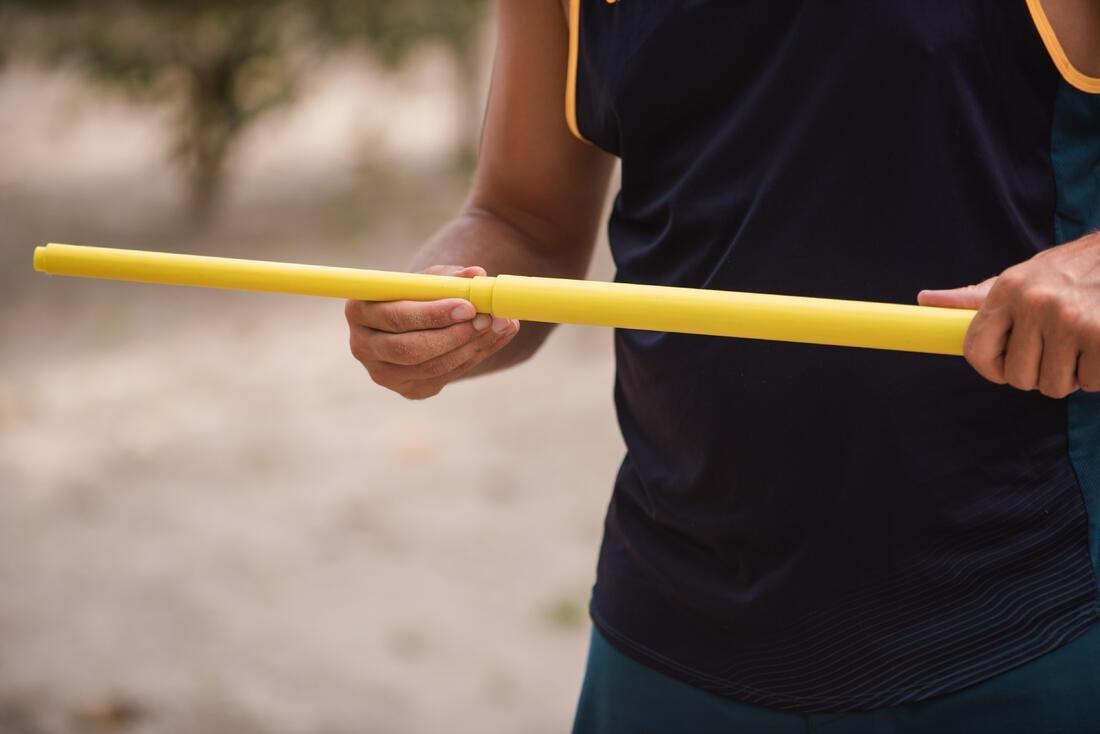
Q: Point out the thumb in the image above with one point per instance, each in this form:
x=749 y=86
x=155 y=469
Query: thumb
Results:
x=972 y=296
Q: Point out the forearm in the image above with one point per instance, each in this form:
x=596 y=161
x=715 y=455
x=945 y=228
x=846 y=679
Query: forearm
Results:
x=535 y=206
x=479 y=236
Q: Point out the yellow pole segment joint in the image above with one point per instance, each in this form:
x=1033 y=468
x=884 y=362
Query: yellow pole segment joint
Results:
x=481 y=293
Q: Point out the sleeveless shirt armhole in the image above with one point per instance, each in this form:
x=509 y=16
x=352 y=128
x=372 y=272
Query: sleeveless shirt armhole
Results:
x=571 y=72
x=1073 y=76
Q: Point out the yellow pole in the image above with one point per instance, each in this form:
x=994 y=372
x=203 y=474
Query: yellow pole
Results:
x=553 y=300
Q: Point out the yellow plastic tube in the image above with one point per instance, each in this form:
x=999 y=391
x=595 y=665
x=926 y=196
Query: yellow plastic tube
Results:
x=553 y=300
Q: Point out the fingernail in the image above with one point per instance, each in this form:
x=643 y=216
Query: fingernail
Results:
x=463 y=312
x=501 y=325
x=481 y=321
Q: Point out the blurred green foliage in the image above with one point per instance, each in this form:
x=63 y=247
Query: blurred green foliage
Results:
x=222 y=64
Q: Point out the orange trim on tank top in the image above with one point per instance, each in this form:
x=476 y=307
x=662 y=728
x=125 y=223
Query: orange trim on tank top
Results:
x=571 y=72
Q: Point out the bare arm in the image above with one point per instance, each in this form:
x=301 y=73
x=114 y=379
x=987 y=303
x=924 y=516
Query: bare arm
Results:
x=534 y=210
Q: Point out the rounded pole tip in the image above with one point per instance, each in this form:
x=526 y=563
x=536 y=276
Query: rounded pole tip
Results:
x=40 y=259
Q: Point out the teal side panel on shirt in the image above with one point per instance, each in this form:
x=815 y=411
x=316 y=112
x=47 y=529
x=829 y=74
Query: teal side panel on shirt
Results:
x=1075 y=156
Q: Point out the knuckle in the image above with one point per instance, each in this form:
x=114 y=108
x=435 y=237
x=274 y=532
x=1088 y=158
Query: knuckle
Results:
x=358 y=347
x=351 y=311
x=972 y=340
x=378 y=374
x=970 y=352
x=977 y=358
x=1010 y=279
x=1071 y=317
x=980 y=369
x=1042 y=299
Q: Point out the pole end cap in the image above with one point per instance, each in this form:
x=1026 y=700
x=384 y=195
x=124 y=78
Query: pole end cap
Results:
x=40 y=259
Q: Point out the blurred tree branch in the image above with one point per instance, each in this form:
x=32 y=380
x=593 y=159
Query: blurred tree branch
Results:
x=223 y=64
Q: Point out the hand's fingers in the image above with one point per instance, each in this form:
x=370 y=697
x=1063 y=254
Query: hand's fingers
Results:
x=1058 y=367
x=1023 y=355
x=416 y=347
x=972 y=296
x=421 y=389
x=397 y=317
x=447 y=366
x=371 y=346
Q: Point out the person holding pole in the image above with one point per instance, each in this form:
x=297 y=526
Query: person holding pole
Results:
x=805 y=538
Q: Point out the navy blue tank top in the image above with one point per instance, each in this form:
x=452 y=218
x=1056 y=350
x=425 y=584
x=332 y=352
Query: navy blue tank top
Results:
x=816 y=528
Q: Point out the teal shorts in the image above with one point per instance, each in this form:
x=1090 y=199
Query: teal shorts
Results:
x=1058 y=693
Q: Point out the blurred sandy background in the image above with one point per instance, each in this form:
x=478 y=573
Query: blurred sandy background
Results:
x=210 y=519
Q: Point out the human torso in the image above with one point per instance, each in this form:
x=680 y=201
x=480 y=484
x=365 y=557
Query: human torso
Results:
x=817 y=528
